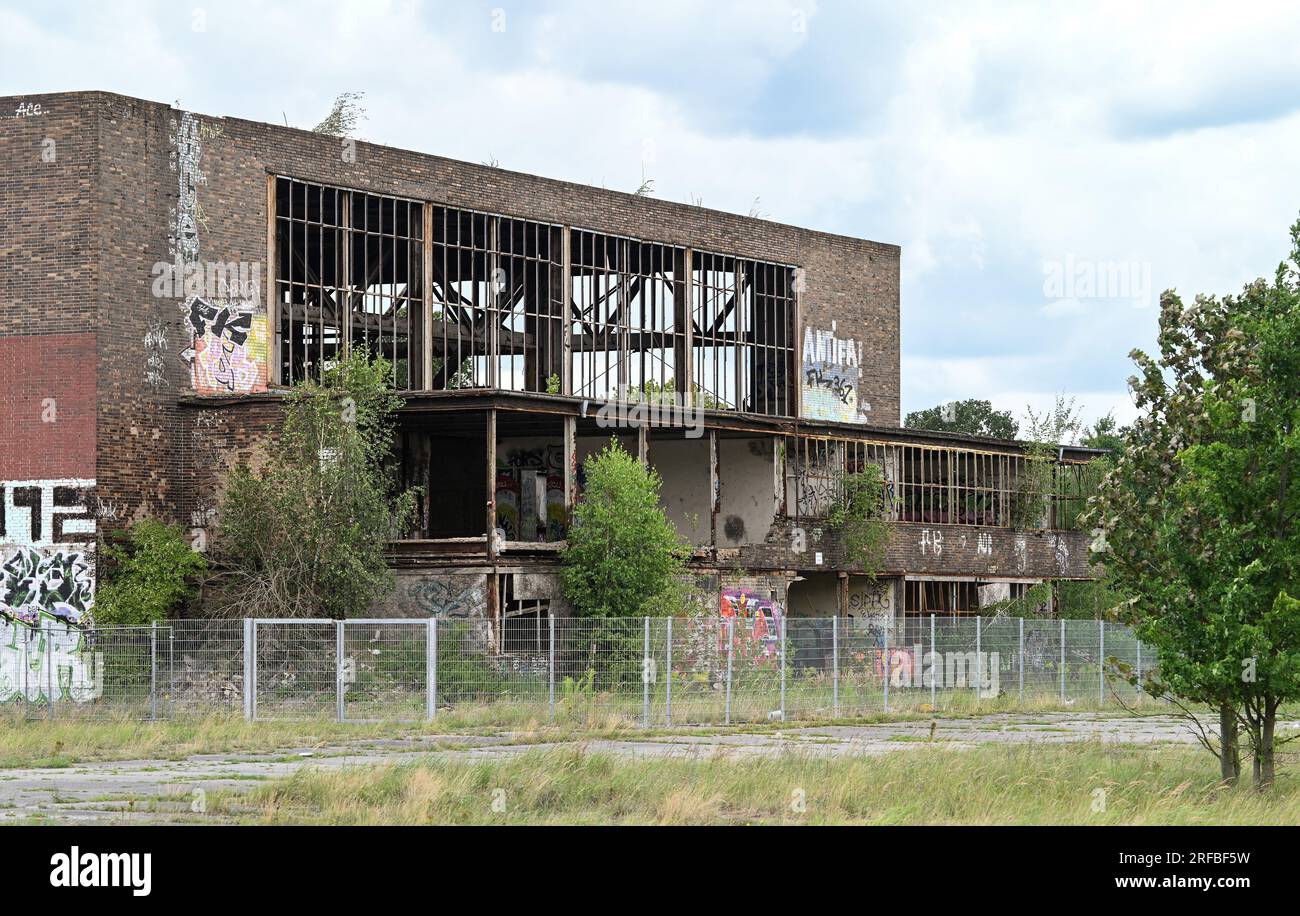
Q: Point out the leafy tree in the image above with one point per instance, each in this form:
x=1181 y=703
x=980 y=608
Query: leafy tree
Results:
x=858 y=518
x=1105 y=433
x=623 y=554
x=305 y=535
x=975 y=418
x=1198 y=521
x=150 y=571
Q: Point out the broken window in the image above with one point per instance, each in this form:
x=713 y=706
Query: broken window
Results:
x=349 y=275
x=497 y=297
x=742 y=345
x=815 y=473
x=628 y=318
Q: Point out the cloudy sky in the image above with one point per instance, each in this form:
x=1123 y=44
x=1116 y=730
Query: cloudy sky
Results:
x=1047 y=169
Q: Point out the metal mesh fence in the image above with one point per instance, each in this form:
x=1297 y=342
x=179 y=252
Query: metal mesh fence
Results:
x=658 y=671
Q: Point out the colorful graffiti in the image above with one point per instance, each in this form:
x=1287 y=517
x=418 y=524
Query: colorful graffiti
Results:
x=530 y=494
x=831 y=378
x=48 y=659
x=228 y=355
x=756 y=632
x=55 y=584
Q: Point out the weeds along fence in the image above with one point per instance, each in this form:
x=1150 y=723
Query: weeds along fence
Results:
x=652 y=671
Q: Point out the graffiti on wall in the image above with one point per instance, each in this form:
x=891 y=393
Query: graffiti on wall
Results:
x=450 y=595
x=530 y=493
x=186 y=153
x=228 y=351
x=756 y=627
x=228 y=355
x=155 y=348
x=47 y=533
x=832 y=377
x=53 y=659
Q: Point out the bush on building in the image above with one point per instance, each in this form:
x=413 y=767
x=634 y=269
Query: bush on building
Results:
x=305 y=535
x=150 y=569
x=858 y=519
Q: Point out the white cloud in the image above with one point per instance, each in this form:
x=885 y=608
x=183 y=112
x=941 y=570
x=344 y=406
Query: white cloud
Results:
x=995 y=141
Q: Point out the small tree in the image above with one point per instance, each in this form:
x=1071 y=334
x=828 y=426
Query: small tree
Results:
x=305 y=536
x=347 y=112
x=623 y=554
x=150 y=571
x=1199 y=520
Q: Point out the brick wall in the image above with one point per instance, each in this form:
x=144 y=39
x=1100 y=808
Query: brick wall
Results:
x=48 y=299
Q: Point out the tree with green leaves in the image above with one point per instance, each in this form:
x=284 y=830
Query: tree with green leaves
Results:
x=305 y=535
x=972 y=417
x=623 y=555
x=1105 y=433
x=1197 y=522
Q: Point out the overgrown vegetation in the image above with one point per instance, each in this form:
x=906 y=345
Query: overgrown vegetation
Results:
x=858 y=519
x=304 y=536
x=623 y=555
x=150 y=570
x=933 y=785
x=347 y=112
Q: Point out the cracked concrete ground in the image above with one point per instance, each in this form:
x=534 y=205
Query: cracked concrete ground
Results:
x=160 y=791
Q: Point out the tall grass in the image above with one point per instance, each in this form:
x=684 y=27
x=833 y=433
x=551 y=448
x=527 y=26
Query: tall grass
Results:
x=1080 y=784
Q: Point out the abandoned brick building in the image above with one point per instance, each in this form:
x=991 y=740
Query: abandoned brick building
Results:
x=512 y=308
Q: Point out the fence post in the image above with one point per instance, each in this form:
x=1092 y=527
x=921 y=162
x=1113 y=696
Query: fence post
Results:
x=171 y=668
x=979 y=660
x=934 y=663
x=885 y=663
x=1022 y=660
x=646 y=663
x=550 y=666
x=253 y=701
x=248 y=669
x=431 y=670
x=153 y=669
x=783 y=667
x=49 y=669
x=339 y=637
x=835 y=666
x=1101 y=662
x=731 y=645
x=1139 y=669
x=668 y=678
x=1062 y=659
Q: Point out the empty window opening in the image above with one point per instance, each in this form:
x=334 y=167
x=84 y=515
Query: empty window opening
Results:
x=349 y=275
x=497 y=320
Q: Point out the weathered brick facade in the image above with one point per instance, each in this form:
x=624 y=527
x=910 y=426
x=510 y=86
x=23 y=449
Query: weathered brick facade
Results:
x=99 y=189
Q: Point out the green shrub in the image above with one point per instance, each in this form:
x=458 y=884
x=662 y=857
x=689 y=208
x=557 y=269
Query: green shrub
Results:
x=150 y=571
